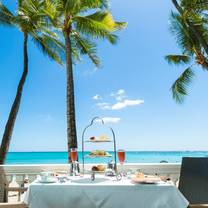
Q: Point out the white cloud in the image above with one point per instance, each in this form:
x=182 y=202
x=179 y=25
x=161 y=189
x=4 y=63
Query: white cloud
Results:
x=111 y=119
x=104 y=106
x=120 y=105
x=97 y=97
x=119 y=95
x=121 y=91
x=126 y=103
x=120 y=101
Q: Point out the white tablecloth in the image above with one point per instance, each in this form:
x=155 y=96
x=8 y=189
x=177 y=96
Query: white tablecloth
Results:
x=103 y=194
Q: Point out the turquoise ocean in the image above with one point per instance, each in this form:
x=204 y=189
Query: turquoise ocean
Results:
x=131 y=157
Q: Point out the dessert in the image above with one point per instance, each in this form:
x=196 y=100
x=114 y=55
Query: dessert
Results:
x=140 y=175
x=99 y=168
x=99 y=153
x=142 y=178
x=104 y=138
x=92 y=138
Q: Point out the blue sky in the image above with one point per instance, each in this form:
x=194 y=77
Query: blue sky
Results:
x=132 y=88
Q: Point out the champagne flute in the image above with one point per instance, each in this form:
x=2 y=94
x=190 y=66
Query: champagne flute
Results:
x=121 y=158
x=74 y=157
x=73 y=154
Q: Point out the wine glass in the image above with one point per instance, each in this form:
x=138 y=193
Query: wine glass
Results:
x=121 y=158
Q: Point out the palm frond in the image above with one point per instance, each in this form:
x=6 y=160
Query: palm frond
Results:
x=184 y=37
x=75 y=16
x=179 y=88
x=120 y=25
x=94 y=4
x=51 y=47
x=177 y=59
x=196 y=5
x=86 y=47
x=6 y=17
x=72 y=6
x=98 y=25
x=76 y=56
x=53 y=11
x=105 y=19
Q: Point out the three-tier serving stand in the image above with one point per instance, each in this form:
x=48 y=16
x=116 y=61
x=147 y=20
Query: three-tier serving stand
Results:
x=84 y=140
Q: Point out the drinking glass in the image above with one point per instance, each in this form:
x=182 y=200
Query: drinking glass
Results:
x=73 y=154
x=121 y=158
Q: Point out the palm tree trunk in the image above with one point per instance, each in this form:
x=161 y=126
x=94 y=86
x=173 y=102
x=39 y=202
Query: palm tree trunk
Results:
x=71 y=121
x=15 y=107
x=195 y=31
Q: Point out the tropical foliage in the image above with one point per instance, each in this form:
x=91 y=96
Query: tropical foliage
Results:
x=29 y=19
x=80 y=23
x=189 y=26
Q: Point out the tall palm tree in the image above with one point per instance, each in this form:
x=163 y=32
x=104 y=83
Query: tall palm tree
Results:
x=29 y=20
x=80 y=22
x=193 y=50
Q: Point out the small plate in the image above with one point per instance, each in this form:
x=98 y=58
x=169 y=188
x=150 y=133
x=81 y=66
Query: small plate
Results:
x=146 y=180
x=99 y=140
x=50 y=180
x=99 y=172
x=98 y=156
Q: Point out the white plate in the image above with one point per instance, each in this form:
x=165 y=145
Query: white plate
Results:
x=146 y=180
x=99 y=140
x=50 y=180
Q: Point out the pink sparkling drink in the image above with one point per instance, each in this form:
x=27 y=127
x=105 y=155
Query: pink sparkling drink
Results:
x=73 y=154
x=121 y=156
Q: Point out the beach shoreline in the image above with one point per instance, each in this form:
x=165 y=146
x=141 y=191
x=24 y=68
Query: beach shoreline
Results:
x=131 y=157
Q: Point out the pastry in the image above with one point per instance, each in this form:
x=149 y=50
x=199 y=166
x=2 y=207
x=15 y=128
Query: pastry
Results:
x=99 y=153
x=94 y=168
x=104 y=138
x=92 y=138
x=101 y=138
x=140 y=175
x=99 y=168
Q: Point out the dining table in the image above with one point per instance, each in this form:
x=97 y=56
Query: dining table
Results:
x=103 y=192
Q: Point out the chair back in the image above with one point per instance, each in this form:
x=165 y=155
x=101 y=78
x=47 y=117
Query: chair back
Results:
x=193 y=181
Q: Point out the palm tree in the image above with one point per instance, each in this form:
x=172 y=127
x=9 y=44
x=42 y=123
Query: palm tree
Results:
x=190 y=11
x=80 y=23
x=29 y=20
x=193 y=50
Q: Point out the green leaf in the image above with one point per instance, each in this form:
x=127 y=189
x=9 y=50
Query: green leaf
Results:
x=50 y=47
x=87 y=47
x=179 y=88
x=94 y=4
x=90 y=19
x=98 y=25
x=177 y=59
x=72 y=6
x=6 y=17
x=184 y=36
x=196 y=5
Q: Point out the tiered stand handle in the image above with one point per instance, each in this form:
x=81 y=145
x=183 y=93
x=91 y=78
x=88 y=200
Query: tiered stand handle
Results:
x=83 y=141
